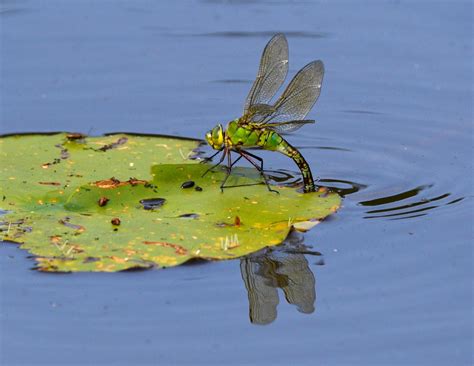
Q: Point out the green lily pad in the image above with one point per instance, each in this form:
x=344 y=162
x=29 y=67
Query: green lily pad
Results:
x=122 y=201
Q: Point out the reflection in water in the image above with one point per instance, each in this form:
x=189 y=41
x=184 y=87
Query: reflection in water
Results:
x=282 y=267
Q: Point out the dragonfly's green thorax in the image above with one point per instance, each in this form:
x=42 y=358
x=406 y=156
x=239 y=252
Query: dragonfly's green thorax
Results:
x=246 y=136
x=238 y=135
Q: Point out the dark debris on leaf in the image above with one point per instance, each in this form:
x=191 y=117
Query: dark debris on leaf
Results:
x=188 y=184
x=90 y=260
x=115 y=221
x=103 y=201
x=113 y=145
x=189 y=216
x=152 y=203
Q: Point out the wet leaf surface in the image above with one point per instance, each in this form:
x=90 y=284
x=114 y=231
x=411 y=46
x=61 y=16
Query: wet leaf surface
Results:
x=119 y=203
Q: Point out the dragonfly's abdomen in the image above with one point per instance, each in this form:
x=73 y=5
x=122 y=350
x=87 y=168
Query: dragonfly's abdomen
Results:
x=273 y=141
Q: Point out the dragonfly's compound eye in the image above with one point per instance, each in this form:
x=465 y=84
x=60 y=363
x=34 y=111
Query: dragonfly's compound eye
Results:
x=209 y=137
x=215 y=137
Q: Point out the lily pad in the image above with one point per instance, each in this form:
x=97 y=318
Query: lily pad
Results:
x=123 y=202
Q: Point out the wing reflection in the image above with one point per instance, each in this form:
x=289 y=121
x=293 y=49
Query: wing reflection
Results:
x=282 y=267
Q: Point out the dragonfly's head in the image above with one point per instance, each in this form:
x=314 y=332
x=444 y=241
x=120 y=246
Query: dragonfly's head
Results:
x=215 y=137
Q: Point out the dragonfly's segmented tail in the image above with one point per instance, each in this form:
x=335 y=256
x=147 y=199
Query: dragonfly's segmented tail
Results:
x=285 y=148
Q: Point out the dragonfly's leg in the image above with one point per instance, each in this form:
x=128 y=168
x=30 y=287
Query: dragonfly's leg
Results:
x=220 y=161
x=260 y=169
x=236 y=160
x=205 y=160
x=247 y=156
x=230 y=164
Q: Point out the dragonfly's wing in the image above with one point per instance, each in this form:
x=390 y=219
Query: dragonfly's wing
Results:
x=300 y=95
x=259 y=113
x=271 y=73
x=287 y=127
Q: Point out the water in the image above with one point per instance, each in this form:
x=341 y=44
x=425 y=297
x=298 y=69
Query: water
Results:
x=394 y=134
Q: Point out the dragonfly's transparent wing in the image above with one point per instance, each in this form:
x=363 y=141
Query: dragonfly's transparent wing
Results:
x=271 y=73
x=258 y=113
x=287 y=127
x=300 y=95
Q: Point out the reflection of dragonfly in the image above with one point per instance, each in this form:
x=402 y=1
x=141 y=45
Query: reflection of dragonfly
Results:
x=262 y=123
x=282 y=267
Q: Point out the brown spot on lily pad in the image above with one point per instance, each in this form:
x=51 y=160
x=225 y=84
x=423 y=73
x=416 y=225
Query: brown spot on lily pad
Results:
x=55 y=239
x=118 y=259
x=114 y=183
x=103 y=201
x=115 y=221
x=113 y=145
x=178 y=249
x=50 y=183
x=237 y=222
x=75 y=136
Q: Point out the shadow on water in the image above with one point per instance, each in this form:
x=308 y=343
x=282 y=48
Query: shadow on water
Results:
x=283 y=267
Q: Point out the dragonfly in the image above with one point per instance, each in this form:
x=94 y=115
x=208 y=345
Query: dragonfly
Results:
x=262 y=124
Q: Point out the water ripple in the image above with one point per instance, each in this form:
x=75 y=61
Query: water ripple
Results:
x=259 y=34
